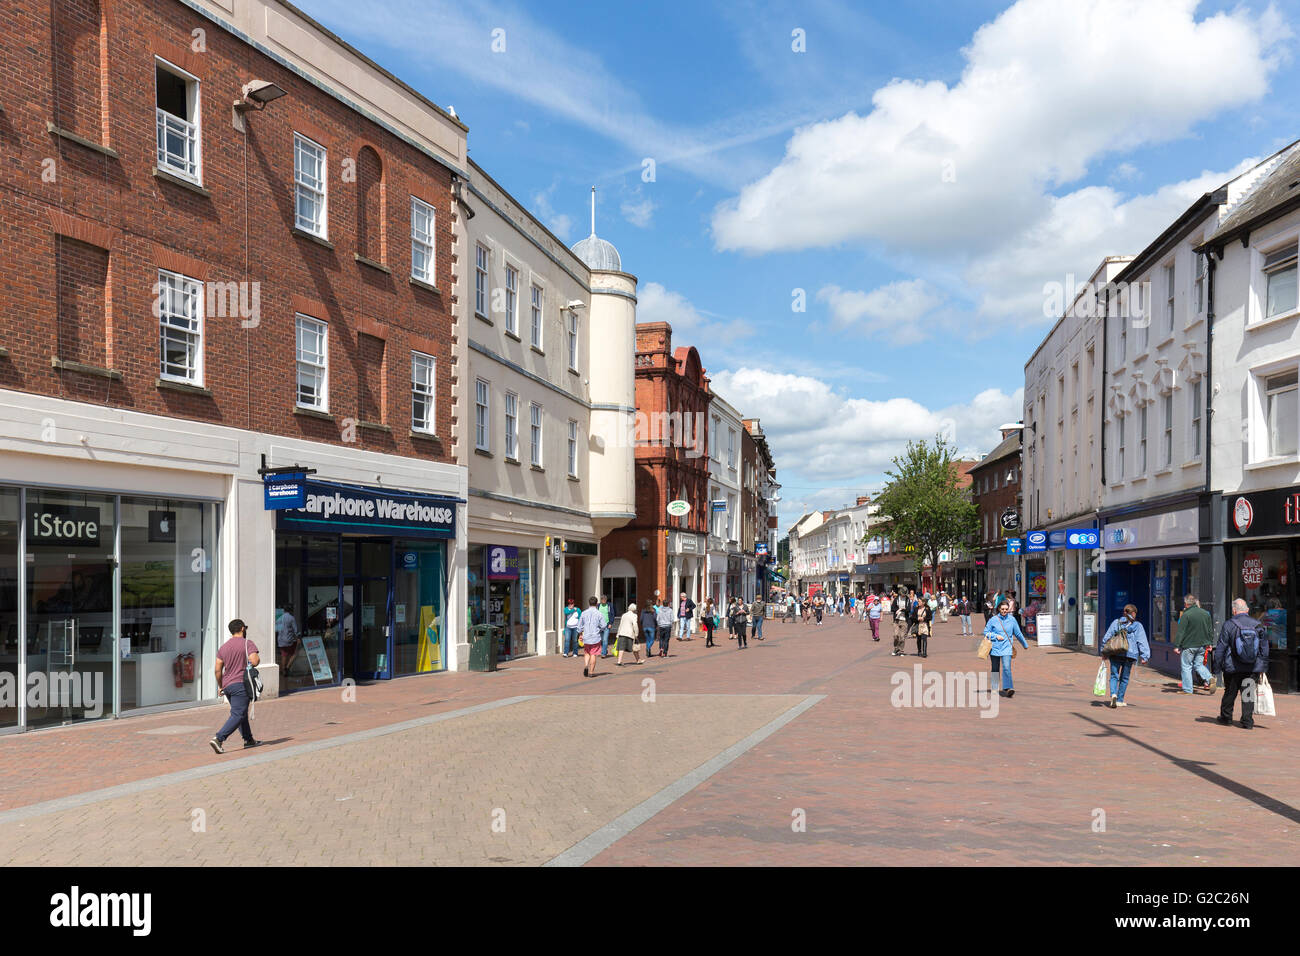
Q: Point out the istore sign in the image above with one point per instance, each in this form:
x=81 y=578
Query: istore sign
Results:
x=62 y=525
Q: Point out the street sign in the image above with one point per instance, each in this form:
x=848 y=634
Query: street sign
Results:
x=1013 y=545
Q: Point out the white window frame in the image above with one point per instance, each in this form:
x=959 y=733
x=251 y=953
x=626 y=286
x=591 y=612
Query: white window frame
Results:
x=1167 y=439
x=573 y=448
x=512 y=299
x=1194 y=417
x=189 y=128
x=572 y=340
x=302 y=321
x=1142 y=417
x=535 y=435
x=1170 y=273
x=182 y=323
x=512 y=426
x=425 y=391
x=1199 y=268
x=536 y=314
x=482 y=280
x=1119 y=447
x=422 y=240
x=1265 y=273
x=482 y=415
x=305 y=184
x=731 y=449
x=1261 y=439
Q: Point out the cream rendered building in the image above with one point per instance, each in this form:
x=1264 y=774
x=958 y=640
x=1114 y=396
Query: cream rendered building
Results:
x=544 y=429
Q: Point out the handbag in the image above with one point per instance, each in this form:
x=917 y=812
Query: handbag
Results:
x=986 y=647
x=1117 y=646
x=252 y=680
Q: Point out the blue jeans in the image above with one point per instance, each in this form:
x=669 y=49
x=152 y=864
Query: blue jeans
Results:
x=604 y=640
x=238 y=718
x=1120 y=668
x=650 y=639
x=570 y=640
x=965 y=624
x=758 y=627
x=1191 y=659
x=683 y=628
x=1002 y=664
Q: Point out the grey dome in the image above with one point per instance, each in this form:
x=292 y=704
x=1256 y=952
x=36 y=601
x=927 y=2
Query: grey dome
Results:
x=598 y=254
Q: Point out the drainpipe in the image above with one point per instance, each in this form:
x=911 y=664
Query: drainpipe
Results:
x=1105 y=352
x=1209 y=361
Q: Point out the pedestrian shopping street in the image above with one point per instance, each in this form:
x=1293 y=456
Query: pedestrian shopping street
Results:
x=791 y=751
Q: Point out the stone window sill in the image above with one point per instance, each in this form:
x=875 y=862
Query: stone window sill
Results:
x=421 y=284
x=371 y=263
x=1290 y=460
x=511 y=461
x=181 y=181
x=538 y=468
x=512 y=335
x=313 y=413
x=483 y=318
x=65 y=366
x=375 y=427
x=185 y=388
x=537 y=350
x=427 y=436
x=484 y=452
x=1272 y=320
x=72 y=137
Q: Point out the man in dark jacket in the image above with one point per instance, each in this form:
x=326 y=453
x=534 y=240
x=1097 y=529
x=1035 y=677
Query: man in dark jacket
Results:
x=685 y=614
x=649 y=626
x=1242 y=655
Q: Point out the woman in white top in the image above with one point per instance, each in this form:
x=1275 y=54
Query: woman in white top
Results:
x=628 y=634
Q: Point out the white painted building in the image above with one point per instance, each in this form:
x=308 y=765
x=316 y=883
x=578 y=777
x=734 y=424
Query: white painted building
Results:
x=545 y=404
x=724 y=560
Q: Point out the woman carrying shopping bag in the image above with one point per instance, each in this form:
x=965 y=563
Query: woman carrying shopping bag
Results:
x=1125 y=642
x=629 y=636
x=708 y=619
x=1002 y=631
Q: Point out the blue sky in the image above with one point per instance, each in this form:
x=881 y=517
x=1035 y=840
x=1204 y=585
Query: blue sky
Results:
x=919 y=171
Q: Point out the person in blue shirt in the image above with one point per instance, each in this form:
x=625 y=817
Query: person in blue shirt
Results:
x=1001 y=631
x=1121 y=665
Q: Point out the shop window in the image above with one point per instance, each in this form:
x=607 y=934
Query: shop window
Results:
x=1261 y=579
x=419 y=607
x=307 y=610
x=9 y=630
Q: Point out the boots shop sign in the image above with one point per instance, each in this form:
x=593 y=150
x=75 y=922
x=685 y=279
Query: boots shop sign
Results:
x=63 y=526
x=1264 y=513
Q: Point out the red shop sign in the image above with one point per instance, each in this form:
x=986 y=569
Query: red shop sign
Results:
x=1252 y=571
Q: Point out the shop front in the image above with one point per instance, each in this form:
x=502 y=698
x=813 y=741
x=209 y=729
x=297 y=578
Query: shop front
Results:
x=1072 y=575
x=1262 y=547
x=1150 y=561
x=107 y=603
x=502 y=582
x=361 y=583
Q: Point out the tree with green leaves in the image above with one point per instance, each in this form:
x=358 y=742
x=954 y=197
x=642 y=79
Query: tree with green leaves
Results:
x=922 y=508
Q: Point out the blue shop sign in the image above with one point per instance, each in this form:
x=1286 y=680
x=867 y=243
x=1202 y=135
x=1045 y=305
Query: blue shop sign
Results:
x=356 y=509
x=1056 y=539
x=1013 y=545
x=1035 y=541
x=1077 y=539
x=284 y=491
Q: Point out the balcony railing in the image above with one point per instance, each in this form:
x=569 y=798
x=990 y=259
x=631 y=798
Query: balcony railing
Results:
x=178 y=145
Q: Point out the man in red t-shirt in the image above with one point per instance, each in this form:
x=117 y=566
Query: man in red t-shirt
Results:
x=229 y=668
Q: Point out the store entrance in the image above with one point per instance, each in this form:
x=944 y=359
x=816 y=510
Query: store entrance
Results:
x=367 y=634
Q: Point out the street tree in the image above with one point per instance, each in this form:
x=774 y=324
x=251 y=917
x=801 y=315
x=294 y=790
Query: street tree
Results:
x=924 y=510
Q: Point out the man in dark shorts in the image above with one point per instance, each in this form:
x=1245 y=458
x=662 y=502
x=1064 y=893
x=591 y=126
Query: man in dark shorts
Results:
x=229 y=668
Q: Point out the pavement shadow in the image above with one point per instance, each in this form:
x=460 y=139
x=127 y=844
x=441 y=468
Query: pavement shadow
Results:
x=1202 y=769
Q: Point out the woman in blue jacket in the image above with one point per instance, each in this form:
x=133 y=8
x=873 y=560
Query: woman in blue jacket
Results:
x=1121 y=665
x=1001 y=630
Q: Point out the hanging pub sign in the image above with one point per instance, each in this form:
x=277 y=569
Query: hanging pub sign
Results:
x=1264 y=513
x=1010 y=520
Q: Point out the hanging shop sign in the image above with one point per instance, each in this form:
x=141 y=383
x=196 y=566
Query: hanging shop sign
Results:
x=1077 y=539
x=330 y=507
x=284 y=491
x=1036 y=541
x=679 y=508
x=1056 y=540
x=1010 y=520
x=502 y=563
x=1013 y=545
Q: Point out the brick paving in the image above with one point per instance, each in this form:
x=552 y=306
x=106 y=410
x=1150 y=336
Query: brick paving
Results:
x=874 y=783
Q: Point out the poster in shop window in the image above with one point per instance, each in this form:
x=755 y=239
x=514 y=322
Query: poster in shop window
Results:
x=314 y=646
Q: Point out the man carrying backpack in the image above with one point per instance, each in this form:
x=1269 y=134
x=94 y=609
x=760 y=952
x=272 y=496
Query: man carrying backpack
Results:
x=1242 y=655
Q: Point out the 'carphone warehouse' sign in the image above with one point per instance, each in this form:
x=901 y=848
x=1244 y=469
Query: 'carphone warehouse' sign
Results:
x=346 y=508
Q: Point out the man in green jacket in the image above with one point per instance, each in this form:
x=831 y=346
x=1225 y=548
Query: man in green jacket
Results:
x=1195 y=633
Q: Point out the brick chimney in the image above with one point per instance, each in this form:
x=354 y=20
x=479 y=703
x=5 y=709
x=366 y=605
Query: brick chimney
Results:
x=864 y=499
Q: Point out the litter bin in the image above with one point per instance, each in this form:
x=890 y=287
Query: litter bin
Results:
x=483 y=647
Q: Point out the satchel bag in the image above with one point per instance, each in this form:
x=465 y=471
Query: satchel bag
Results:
x=252 y=680
x=1117 y=646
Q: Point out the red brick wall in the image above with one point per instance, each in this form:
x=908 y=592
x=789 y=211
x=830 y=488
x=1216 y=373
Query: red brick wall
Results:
x=240 y=233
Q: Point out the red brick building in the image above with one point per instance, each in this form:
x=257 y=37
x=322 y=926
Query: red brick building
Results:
x=672 y=400
x=193 y=290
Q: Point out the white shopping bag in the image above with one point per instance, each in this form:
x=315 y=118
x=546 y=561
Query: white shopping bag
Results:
x=1264 y=697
